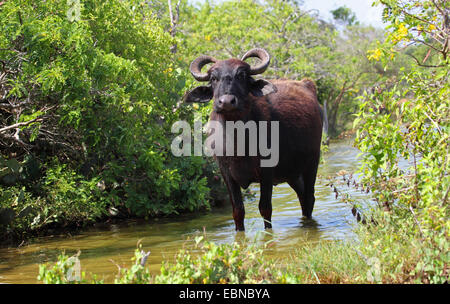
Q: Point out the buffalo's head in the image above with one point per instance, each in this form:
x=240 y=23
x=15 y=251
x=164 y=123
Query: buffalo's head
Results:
x=229 y=81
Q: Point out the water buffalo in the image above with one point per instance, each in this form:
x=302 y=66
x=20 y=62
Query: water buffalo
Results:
x=293 y=104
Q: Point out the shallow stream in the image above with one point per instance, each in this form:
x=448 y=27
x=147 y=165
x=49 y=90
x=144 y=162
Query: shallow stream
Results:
x=104 y=247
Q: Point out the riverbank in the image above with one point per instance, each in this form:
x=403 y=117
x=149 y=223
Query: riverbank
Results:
x=204 y=262
x=66 y=202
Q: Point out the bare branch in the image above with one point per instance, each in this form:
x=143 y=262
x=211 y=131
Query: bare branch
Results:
x=174 y=22
x=20 y=124
x=444 y=201
x=438 y=7
x=416 y=221
x=424 y=65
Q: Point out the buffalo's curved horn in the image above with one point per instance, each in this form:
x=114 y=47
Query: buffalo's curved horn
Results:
x=262 y=55
x=196 y=67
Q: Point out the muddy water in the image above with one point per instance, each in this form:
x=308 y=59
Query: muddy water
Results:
x=102 y=249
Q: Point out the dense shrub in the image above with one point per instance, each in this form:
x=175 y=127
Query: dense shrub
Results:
x=90 y=101
x=403 y=130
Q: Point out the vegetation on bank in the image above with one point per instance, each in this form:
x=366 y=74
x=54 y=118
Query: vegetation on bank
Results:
x=237 y=263
x=403 y=132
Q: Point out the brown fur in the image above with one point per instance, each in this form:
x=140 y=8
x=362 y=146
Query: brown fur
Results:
x=295 y=106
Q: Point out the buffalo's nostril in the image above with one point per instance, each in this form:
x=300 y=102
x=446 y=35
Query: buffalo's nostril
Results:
x=227 y=102
x=229 y=99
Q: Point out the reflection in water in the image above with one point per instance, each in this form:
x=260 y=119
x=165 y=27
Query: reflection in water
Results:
x=100 y=246
x=309 y=223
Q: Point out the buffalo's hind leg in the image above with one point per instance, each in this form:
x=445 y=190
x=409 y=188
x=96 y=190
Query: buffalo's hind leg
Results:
x=310 y=180
x=304 y=187
x=299 y=187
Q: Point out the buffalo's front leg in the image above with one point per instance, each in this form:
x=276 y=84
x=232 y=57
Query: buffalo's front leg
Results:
x=265 y=201
x=234 y=191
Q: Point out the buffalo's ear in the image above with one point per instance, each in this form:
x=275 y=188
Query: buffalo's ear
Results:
x=199 y=94
x=262 y=87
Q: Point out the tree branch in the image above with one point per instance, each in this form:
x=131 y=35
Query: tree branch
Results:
x=20 y=124
x=174 y=22
x=424 y=65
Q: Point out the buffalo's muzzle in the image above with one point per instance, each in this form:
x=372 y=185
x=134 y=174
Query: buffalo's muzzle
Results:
x=226 y=103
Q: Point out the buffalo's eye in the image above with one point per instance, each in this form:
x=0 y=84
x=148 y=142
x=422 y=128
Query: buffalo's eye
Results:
x=241 y=76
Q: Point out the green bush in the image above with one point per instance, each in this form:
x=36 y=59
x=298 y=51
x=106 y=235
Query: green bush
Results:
x=225 y=263
x=95 y=100
x=247 y=263
x=403 y=131
x=405 y=164
x=64 y=198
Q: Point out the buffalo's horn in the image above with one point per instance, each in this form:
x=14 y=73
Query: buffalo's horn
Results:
x=262 y=55
x=196 y=67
